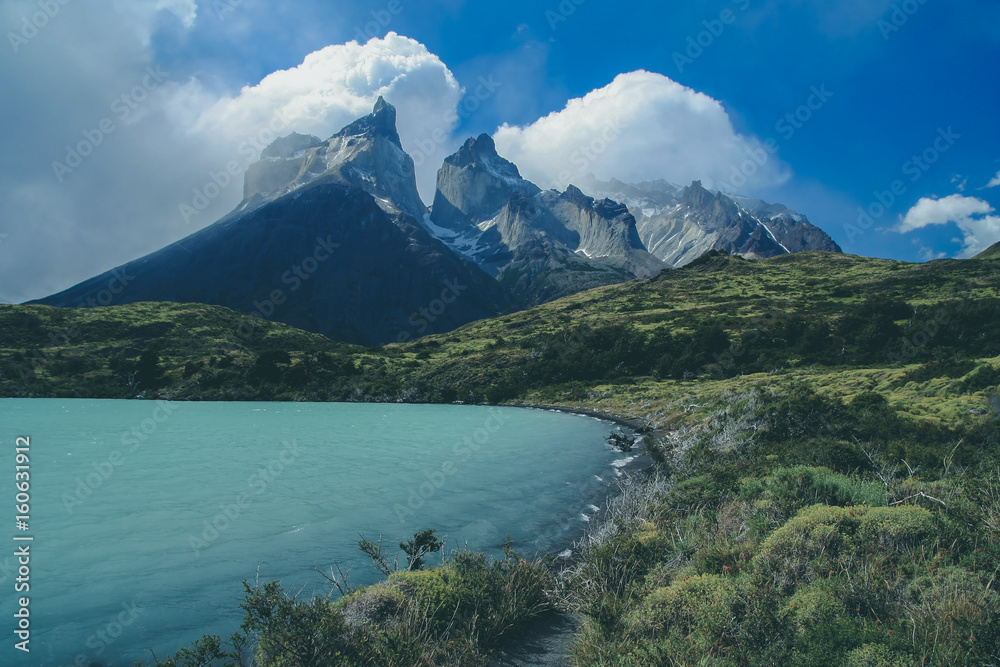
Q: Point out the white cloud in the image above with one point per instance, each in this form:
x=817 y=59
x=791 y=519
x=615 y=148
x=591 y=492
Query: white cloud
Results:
x=185 y=10
x=995 y=182
x=124 y=200
x=928 y=254
x=338 y=84
x=979 y=229
x=642 y=126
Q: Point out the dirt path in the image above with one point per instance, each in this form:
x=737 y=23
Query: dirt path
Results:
x=545 y=645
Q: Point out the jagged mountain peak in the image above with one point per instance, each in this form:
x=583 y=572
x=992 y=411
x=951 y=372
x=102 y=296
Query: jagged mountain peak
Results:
x=474 y=150
x=679 y=224
x=577 y=196
x=474 y=184
x=697 y=195
x=481 y=153
x=366 y=154
x=380 y=122
x=608 y=209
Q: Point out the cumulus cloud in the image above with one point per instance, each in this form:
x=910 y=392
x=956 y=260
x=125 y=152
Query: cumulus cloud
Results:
x=642 y=126
x=338 y=84
x=995 y=182
x=124 y=197
x=979 y=229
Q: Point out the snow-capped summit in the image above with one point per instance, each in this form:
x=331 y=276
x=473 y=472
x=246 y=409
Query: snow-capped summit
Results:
x=679 y=224
x=366 y=154
x=543 y=244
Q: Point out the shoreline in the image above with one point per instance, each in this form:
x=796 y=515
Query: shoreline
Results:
x=548 y=643
x=641 y=462
x=638 y=426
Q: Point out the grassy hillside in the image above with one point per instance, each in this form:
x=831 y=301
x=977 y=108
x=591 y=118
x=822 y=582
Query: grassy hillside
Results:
x=993 y=252
x=826 y=433
x=845 y=324
x=183 y=351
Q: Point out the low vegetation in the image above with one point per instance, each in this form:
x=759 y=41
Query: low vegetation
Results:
x=827 y=443
x=451 y=614
x=758 y=546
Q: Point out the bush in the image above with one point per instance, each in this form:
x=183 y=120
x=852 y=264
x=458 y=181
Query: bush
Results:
x=877 y=655
x=807 y=545
x=900 y=528
x=435 y=592
x=821 y=628
x=698 y=610
x=953 y=618
x=803 y=485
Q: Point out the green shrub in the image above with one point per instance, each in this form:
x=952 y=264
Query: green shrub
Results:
x=877 y=655
x=435 y=592
x=695 y=491
x=610 y=573
x=953 y=617
x=820 y=626
x=698 y=609
x=901 y=528
x=803 y=485
x=807 y=545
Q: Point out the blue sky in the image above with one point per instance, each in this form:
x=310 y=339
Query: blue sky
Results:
x=887 y=81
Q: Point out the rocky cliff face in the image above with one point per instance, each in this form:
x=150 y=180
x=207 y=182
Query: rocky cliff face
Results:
x=366 y=154
x=543 y=244
x=326 y=241
x=332 y=237
x=679 y=224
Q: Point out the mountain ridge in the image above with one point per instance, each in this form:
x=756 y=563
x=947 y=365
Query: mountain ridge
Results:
x=507 y=241
x=331 y=250
x=678 y=224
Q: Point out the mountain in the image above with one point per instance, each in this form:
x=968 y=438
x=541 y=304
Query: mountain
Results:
x=542 y=245
x=327 y=240
x=993 y=252
x=332 y=237
x=366 y=154
x=679 y=224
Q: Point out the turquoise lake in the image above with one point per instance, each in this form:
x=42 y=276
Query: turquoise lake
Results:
x=147 y=516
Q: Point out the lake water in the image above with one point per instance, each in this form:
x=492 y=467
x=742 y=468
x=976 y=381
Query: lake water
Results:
x=146 y=516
